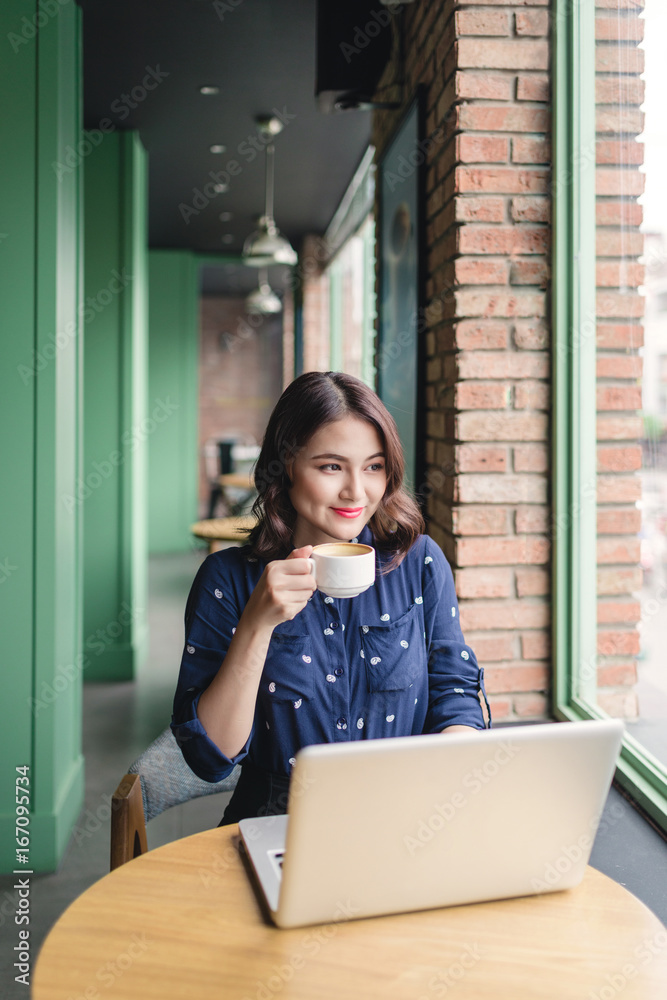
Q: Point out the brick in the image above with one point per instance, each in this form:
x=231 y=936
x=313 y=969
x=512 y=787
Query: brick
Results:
x=607 y=28
x=619 y=428
x=616 y=152
x=489 y=615
x=618 y=643
x=618 y=213
x=619 y=243
x=501 y=54
x=618 y=489
x=619 y=90
x=532 y=581
x=483 y=118
x=494 y=648
x=480 y=272
x=530 y=335
x=502 y=551
x=612 y=305
x=527 y=209
x=504 y=304
x=518 y=678
x=531 y=705
x=471 y=488
x=478 y=335
x=532 y=520
x=502 y=180
x=481 y=396
x=483 y=86
x=498 y=426
x=484 y=582
x=614 y=274
x=617 y=674
x=618 y=550
x=500 y=707
x=618 y=120
x=531 y=458
x=482 y=149
x=619 y=459
x=472 y=520
x=634 y=5
x=535 y=645
x=502 y=365
x=529 y=272
x=503 y=240
x=481 y=458
x=526 y=150
x=619 y=59
x=435 y=424
x=472 y=209
x=619 y=704
x=532 y=396
x=614 y=336
x=619 y=522
x=532 y=22
x=533 y=87
x=617 y=612
x=626 y=183
x=481 y=22
x=618 y=397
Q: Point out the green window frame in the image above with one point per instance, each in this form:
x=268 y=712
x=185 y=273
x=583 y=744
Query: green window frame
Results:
x=573 y=416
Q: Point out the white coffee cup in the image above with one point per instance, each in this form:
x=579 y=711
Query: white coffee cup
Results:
x=343 y=569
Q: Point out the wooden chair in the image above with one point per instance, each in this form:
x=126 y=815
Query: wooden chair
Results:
x=157 y=780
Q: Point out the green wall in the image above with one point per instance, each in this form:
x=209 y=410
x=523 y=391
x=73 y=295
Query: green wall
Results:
x=40 y=429
x=118 y=417
x=173 y=380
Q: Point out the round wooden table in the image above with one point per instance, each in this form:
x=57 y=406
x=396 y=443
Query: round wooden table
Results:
x=184 y=921
x=222 y=529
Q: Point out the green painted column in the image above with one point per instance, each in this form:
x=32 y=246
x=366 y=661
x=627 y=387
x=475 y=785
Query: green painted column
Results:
x=173 y=379
x=112 y=489
x=40 y=432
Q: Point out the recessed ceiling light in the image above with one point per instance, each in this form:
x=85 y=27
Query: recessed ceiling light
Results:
x=220 y=188
x=227 y=238
x=208 y=91
x=217 y=148
x=225 y=216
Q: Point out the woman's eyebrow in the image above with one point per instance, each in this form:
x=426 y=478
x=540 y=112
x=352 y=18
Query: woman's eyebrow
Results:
x=341 y=458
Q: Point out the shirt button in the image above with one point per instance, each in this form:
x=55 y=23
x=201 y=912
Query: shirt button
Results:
x=341 y=723
x=339 y=671
x=333 y=624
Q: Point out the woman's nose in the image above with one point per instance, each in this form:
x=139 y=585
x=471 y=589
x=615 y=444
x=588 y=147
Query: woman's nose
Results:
x=352 y=487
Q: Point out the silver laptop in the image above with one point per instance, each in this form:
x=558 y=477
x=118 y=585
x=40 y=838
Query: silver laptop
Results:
x=410 y=823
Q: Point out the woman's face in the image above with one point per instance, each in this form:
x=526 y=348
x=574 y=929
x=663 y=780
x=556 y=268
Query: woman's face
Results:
x=338 y=480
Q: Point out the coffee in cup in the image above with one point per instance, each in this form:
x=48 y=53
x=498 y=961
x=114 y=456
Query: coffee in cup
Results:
x=343 y=569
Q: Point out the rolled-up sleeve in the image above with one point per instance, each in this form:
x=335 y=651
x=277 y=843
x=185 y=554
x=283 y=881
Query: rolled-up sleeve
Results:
x=455 y=679
x=211 y=616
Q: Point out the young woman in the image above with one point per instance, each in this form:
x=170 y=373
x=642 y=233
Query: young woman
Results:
x=270 y=663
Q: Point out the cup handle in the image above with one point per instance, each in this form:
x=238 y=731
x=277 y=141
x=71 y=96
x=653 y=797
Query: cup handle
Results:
x=311 y=569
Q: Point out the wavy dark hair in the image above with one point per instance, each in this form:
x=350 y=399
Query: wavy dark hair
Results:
x=309 y=402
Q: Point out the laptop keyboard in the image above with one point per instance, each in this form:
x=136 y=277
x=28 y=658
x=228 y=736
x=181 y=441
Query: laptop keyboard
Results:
x=277 y=859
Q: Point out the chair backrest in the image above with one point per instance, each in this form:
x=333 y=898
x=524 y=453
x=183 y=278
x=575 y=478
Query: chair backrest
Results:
x=157 y=780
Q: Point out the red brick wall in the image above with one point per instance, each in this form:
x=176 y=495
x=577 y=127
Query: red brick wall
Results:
x=240 y=374
x=485 y=68
x=619 y=92
x=488 y=237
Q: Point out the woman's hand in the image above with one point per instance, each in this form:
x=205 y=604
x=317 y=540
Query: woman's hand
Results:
x=283 y=590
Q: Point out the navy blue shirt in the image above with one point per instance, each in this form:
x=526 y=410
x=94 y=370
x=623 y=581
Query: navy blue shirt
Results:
x=390 y=662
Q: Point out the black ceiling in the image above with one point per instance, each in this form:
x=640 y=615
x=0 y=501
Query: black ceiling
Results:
x=261 y=54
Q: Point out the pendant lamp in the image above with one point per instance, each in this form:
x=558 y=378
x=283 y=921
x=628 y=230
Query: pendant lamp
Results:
x=267 y=245
x=263 y=301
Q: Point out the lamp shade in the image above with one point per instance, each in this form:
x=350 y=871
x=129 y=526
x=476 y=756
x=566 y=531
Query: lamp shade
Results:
x=268 y=246
x=263 y=301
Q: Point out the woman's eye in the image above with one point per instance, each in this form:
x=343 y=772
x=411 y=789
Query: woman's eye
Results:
x=376 y=467
x=330 y=465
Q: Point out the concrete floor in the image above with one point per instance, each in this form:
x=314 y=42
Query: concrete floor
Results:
x=121 y=719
